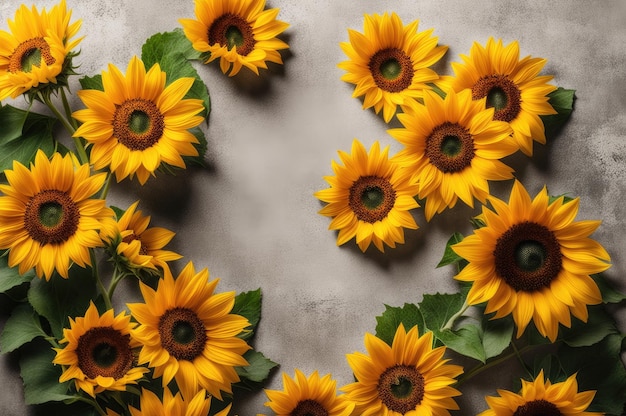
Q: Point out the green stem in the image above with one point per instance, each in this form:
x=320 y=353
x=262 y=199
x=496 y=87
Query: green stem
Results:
x=107 y=186
x=103 y=291
x=117 y=277
x=482 y=367
x=68 y=110
x=456 y=316
x=93 y=403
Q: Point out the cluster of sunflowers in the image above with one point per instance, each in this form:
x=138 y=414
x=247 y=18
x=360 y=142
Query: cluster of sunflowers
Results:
x=184 y=349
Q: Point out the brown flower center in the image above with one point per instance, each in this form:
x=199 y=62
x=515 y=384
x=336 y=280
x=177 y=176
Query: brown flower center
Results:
x=138 y=124
x=502 y=94
x=51 y=217
x=391 y=69
x=528 y=256
x=371 y=198
x=30 y=53
x=104 y=351
x=309 y=408
x=231 y=30
x=182 y=333
x=401 y=388
x=450 y=147
x=143 y=250
x=537 y=408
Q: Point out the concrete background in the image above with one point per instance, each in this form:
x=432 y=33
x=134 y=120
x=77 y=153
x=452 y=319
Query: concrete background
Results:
x=251 y=217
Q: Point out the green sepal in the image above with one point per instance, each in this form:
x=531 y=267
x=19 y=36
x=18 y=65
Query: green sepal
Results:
x=562 y=100
x=248 y=305
x=449 y=255
x=22 y=327
x=408 y=315
x=256 y=372
x=10 y=277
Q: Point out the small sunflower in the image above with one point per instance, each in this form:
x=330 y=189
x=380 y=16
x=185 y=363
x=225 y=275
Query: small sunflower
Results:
x=48 y=217
x=453 y=147
x=511 y=86
x=389 y=62
x=137 y=122
x=539 y=397
x=533 y=260
x=173 y=405
x=37 y=50
x=99 y=352
x=238 y=32
x=370 y=198
x=308 y=396
x=410 y=377
x=189 y=334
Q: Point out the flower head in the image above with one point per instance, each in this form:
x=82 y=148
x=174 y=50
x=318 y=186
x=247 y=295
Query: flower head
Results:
x=533 y=260
x=238 y=32
x=312 y=396
x=453 y=147
x=197 y=404
x=511 y=86
x=389 y=62
x=48 y=217
x=370 y=198
x=138 y=122
x=410 y=377
x=99 y=353
x=38 y=51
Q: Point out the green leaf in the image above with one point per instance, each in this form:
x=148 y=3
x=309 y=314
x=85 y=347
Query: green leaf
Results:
x=22 y=326
x=409 y=315
x=258 y=369
x=437 y=309
x=201 y=147
x=92 y=83
x=449 y=255
x=562 y=100
x=248 y=305
x=161 y=44
x=609 y=294
x=599 y=325
x=497 y=334
x=12 y=121
x=466 y=340
x=10 y=277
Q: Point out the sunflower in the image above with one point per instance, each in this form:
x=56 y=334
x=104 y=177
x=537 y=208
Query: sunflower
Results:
x=541 y=397
x=174 y=405
x=410 y=377
x=454 y=147
x=137 y=122
x=533 y=260
x=308 y=396
x=370 y=198
x=189 y=334
x=238 y=32
x=99 y=352
x=37 y=50
x=510 y=85
x=47 y=215
x=389 y=63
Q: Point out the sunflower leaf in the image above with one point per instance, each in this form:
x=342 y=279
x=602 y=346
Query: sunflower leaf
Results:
x=467 y=340
x=609 y=294
x=12 y=121
x=258 y=369
x=439 y=308
x=40 y=376
x=497 y=334
x=161 y=44
x=599 y=325
x=22 y=327
x=449 y=255
x=409 y=315
x=10 y=277
x=92 y=83
x=201 y=146
x=562 y=100
x=248 y=305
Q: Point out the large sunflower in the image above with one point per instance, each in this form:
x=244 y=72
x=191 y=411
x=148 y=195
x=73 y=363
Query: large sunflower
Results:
x=541 y=397
x=453 y=147
x=410 y=377
x=137 y=122
x=99 y=352
x=512 y=86
x=533 y=260
x=389 y=62
x=308 y=396
x=36 y=49
x=189 y=334
x=173 y=405
x=238 y=32
x=370 y=198
x=47 y=216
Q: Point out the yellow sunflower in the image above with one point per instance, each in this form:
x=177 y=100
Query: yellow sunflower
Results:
x=410 y=377
x=48 y=217
x=174 y=405
x=189 y=334
x=238 y=32
x=370 y=198
x=99 y=352
x=137 y=122
x=541 y=397
x=453 y=146
x=389 y=62
x=308 y=396
x=511 y=86
x=37 y=49
x=533 y=260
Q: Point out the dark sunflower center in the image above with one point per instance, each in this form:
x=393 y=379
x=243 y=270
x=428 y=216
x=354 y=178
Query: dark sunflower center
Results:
x=30 y=53
x=51 y=217
x=538 y=408
x=371 y=198
x=528 y=256
x=183 y=333
x=392 y=69
x=309 y=408
x=104 y=351
x=401 y=388
x=138 y=124
x=231 y=30
x=130 y=238
x=450 y=147
x=502 y=94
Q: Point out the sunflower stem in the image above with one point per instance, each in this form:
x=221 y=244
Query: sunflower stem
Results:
x=106 y=187
x=482 y=367
x=103 y=291
x=68 y=109
x=117 y=277
x=93 y=403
